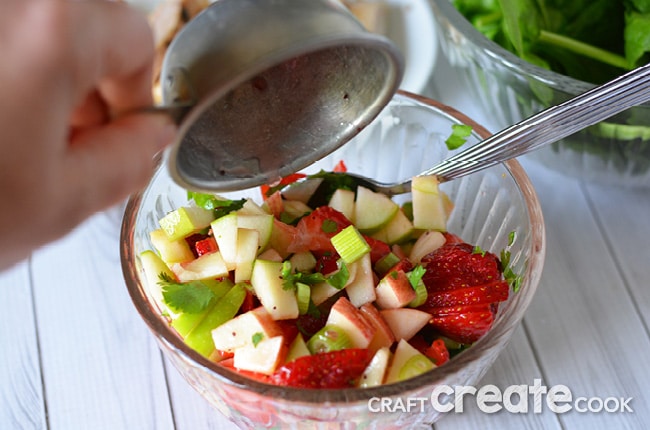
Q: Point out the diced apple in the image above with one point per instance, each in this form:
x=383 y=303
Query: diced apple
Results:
x=153 y=266
x=394 y=290
x=384 y=336
x=262 y=223
x=251 y=208
x=376 y=369
x=407 y=362
x=185 y=323
x=303 y=261
x=200 y=339
x=185 y=221
x=398 y=230
x=429 y=212
x=282 y=235
x=171 y=251
x=361 y=289
x=405 y=322
x=347 y=317
x=302 y=191
x=428 y=242
x=373 y=211
x=322 y=291
x=247 y=246
x=240 y=330
x=261 y=358
x=343 y=201
x=207 y=266
x=295 y=209
x=224 y=230
x=267 y=281
x=298 y=348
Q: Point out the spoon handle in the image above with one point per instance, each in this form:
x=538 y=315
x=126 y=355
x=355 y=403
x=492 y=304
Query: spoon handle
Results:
x=550 y=125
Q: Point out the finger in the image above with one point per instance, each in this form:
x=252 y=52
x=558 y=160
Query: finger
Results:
x=91 y=112
x=105 y=165
x=113 y=47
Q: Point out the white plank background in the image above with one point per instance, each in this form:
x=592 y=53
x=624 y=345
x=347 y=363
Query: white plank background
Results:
x=74 y=354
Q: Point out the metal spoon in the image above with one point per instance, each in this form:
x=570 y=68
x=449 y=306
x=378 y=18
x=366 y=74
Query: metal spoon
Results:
x=548 y=126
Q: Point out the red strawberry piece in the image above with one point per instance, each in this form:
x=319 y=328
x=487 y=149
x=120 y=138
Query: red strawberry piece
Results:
x=229 y=363
x=192 y=239
x=275 y=204
x=438 y=352
x=457 y=265
x=326 y=262
x=340 y=167
x=466 y=327
x=333 y=369
x=378 y=248
x=491 y=292
x=289 y=179
x=314 y=231
x=205 y=246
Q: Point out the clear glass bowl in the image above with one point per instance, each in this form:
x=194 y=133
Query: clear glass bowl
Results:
x=509 y=89
x=406 y=138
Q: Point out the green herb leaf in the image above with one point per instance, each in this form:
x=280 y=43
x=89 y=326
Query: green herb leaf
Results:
x=478 y=250
x=458 y=137
x=189 y=297
x=329 y=226
x=257 y=338
x=339 y=278
x=211 y=202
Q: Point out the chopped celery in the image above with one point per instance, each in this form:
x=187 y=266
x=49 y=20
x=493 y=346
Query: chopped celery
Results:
x=303 y=295
x=329 y=338
x=422 y=294
x=350 y=244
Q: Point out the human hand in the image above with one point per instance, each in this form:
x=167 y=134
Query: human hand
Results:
x=68 y=148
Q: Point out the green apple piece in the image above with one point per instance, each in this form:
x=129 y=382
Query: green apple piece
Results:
x=282 y=235
x=264 y=357
x=429 y=211
x=200 y=339
x=267 y=282
x=394 y=290
x=171 y=251
x=302 y=191
x=294 y=209
x=376 y=370
x=298 y=348
x=303 y=261
x=252 y=208
x=244 y=328
x=185 y=221
x=428 y=242
x=262 y=223
x=343 y=201
x=224 y=230
x=322 y=291
x=398 y=230
x=153 y=266
x=373 y=211
x=405 y=322
x=207 y=266
x=362 y=288
x=407 y=363
x=186 y=322
x=247 y=245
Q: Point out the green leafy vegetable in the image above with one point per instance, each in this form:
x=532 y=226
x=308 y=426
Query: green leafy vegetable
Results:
x=211 y=202
x=415 y=275
x=190 y=297
x=257 y=338
x=458 y=137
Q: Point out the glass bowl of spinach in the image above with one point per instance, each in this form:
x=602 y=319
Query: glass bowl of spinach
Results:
x=518 y=57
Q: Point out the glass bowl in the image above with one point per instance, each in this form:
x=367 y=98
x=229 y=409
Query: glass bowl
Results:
x=407 y=137
x=509 y=89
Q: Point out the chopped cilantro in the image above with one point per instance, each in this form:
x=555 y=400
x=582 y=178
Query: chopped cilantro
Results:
x=190 y=297
x=511 y=277
x=211 y=202
x=337 y=279
x=329 y=226
x=257 y=338
x=415 y=275
x=458 y=137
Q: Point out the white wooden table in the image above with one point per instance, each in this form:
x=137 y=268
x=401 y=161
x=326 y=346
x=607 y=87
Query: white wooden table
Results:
x=75 y=355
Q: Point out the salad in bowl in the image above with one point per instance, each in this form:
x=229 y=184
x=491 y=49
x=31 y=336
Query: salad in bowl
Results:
x=298 y=303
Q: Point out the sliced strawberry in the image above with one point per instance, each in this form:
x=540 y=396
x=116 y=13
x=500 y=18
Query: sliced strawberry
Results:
x=250 y=302
x=326 y=262
x=455 y=265
x=229 y=363
x=495 y=291
x=438 y=352
x=315 y=230
x=333 y=369
x=467 y=327
x=205 y=246
x=275 y=204
x=192 y=239
x=378 y=248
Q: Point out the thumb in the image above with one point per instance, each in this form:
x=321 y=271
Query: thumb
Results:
x=106 y=164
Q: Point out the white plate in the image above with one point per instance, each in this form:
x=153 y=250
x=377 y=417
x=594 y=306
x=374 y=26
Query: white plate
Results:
x=412 y=27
